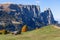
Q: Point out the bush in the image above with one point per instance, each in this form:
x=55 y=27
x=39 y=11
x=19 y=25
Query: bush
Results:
x=3 y=31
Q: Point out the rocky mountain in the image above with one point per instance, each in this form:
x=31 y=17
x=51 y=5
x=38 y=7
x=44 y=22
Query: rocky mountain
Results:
x=47 y=17
x=29 y=15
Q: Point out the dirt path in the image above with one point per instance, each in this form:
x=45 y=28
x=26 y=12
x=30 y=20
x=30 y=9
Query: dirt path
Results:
x=56 y=27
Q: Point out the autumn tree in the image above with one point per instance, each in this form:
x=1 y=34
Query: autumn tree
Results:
x=24 y=28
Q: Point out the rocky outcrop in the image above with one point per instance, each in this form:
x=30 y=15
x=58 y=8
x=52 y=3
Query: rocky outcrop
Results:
x=47 y=17
x=29 y=15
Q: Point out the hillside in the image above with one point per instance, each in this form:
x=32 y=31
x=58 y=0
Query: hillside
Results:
x=44 y=33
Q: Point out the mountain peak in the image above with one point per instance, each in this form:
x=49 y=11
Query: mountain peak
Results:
x=47 y=9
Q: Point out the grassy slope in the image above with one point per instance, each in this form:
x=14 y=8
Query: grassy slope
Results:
x=45 y=33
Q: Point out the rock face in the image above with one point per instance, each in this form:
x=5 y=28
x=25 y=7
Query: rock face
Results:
x=47 y=17
x=29 y=15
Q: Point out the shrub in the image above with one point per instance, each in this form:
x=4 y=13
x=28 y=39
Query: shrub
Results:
x=3 y=31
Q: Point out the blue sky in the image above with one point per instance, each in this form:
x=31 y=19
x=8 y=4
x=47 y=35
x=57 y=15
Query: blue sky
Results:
x=53 y=4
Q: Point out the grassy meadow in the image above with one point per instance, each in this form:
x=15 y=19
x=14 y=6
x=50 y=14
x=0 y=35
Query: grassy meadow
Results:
x=44 y=33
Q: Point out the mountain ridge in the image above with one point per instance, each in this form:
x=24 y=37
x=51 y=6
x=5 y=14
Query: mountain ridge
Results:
x=30 y=15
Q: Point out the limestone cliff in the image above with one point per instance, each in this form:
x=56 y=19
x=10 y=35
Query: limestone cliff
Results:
x=29 y=15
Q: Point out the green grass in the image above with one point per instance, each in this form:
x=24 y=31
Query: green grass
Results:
x=44 y=33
